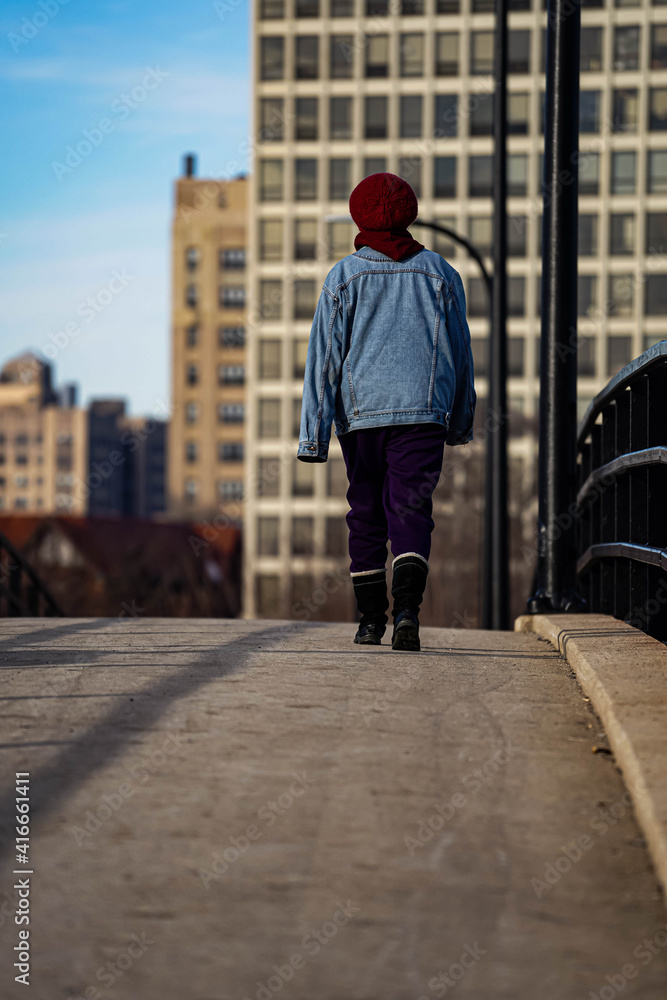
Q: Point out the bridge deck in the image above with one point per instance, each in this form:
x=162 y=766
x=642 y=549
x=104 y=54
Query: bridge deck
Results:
x=241 y=809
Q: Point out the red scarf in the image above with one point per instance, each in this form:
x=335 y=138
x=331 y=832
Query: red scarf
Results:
x=395 y=243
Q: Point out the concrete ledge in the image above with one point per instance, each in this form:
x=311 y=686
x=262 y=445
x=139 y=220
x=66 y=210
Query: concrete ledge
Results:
x=624 y=673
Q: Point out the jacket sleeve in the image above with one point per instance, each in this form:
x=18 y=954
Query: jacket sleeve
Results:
x=465 y=399
x=324 y=360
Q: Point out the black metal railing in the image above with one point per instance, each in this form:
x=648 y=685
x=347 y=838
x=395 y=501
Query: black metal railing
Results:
x=621 y=509
x=22 y=593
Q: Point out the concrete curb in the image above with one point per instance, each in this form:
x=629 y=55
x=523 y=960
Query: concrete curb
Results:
x=624 y=673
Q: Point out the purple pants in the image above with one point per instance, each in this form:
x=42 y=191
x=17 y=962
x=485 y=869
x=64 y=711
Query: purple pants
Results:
x=392 y=473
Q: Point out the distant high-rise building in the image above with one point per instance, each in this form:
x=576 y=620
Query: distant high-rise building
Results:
x=43 y=441
x=346 y=88
x=206 y=434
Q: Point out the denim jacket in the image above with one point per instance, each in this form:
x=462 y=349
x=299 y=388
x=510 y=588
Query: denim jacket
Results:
x=389 y=345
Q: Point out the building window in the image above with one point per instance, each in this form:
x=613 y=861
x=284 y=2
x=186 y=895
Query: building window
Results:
x=191 y=375
x=230 y=489
x=444 y=177
x=191 y=451
x=305 y=298
x=411 y=54
x=377 y=56
x=517 y=231
x=590 y=60
x=589 y=111
x=302 y=536
x=306 y=116
x=269 y=359
x=306 y=53
x=339 y=239
x=619 y=353
x=621 y=298
x=231 y=296
x=303 y=479
x=656 y=171
x=191 y=297
x=625 y=110
x=341 y=8
x=626 y=48
x=410 y=169
x=191 y=335
x=586 y=357
x=270 y=298
x=657 y=116
x=231 y=413
x=376 y=117
x=518 y=55
x=517 y=175
x=305 y=239
x=622 y=228
x=230 y=451
x=336 y=478
x=270 y=239
x=271 y=120
x=340 y=179
x=335 y=537
x=447 y=45
x=341 y=57
x=517 y=114
x=447 y=6
x=305 y=180
x=267 y=536
x=268 y=595
x=481 y=53
x=268 y=418
x=232 y=259
x=516 y=296
x=340 y=118
x=587 y=293
x=588 y=235
x=442 y=244
x=306 y=8
x=589 y=173
x=374 y=165
x=231 y=336
x=268 y=477
x=656 y=232
x=412 y=7
x=231 y=375
x=659 y=46
x=480 y=231
x=191 y=490
x=191 y=258
x=270 y=10
x=480 y=176
x=377 y=8
x=446 y=116
x=191 y=413
x=623 y=172
x=296 y=418
x=272 y=57
x=481 y=115
x=270 y=180
x=299 y=351
x=410 y=116
x=516 y=349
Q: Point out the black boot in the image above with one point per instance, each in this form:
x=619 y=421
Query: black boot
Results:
x=408 y=584
x=370 y=591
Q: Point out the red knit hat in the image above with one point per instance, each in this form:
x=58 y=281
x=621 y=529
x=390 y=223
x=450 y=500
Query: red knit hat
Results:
x=383 y=202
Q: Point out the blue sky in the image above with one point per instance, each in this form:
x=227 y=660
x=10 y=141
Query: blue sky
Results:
x=165 y=78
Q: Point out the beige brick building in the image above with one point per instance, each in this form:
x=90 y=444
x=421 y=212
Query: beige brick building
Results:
x=206 y=434
x=43 y=442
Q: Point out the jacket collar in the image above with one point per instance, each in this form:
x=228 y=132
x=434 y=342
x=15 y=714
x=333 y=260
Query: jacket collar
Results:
x=369 y=254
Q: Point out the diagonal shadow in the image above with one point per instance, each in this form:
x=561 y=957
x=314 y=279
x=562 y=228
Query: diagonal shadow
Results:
x=108 y=737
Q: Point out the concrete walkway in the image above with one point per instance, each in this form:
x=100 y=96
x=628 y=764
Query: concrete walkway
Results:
x=228 y=810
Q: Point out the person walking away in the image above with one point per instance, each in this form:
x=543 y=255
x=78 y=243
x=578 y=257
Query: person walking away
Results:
x=389 y=364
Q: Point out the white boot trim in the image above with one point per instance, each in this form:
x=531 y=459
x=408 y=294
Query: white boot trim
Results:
x=404 y=554
x=367 y=572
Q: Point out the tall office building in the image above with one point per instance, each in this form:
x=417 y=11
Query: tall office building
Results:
x=43 y=441
x=206 y=447
x=345 y=88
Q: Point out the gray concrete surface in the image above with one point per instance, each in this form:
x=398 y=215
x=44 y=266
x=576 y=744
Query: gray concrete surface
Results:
x=624 y=673
x=220 y=810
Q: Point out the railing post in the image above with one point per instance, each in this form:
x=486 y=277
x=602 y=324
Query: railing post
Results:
x=495 y=563
x=556 y=567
